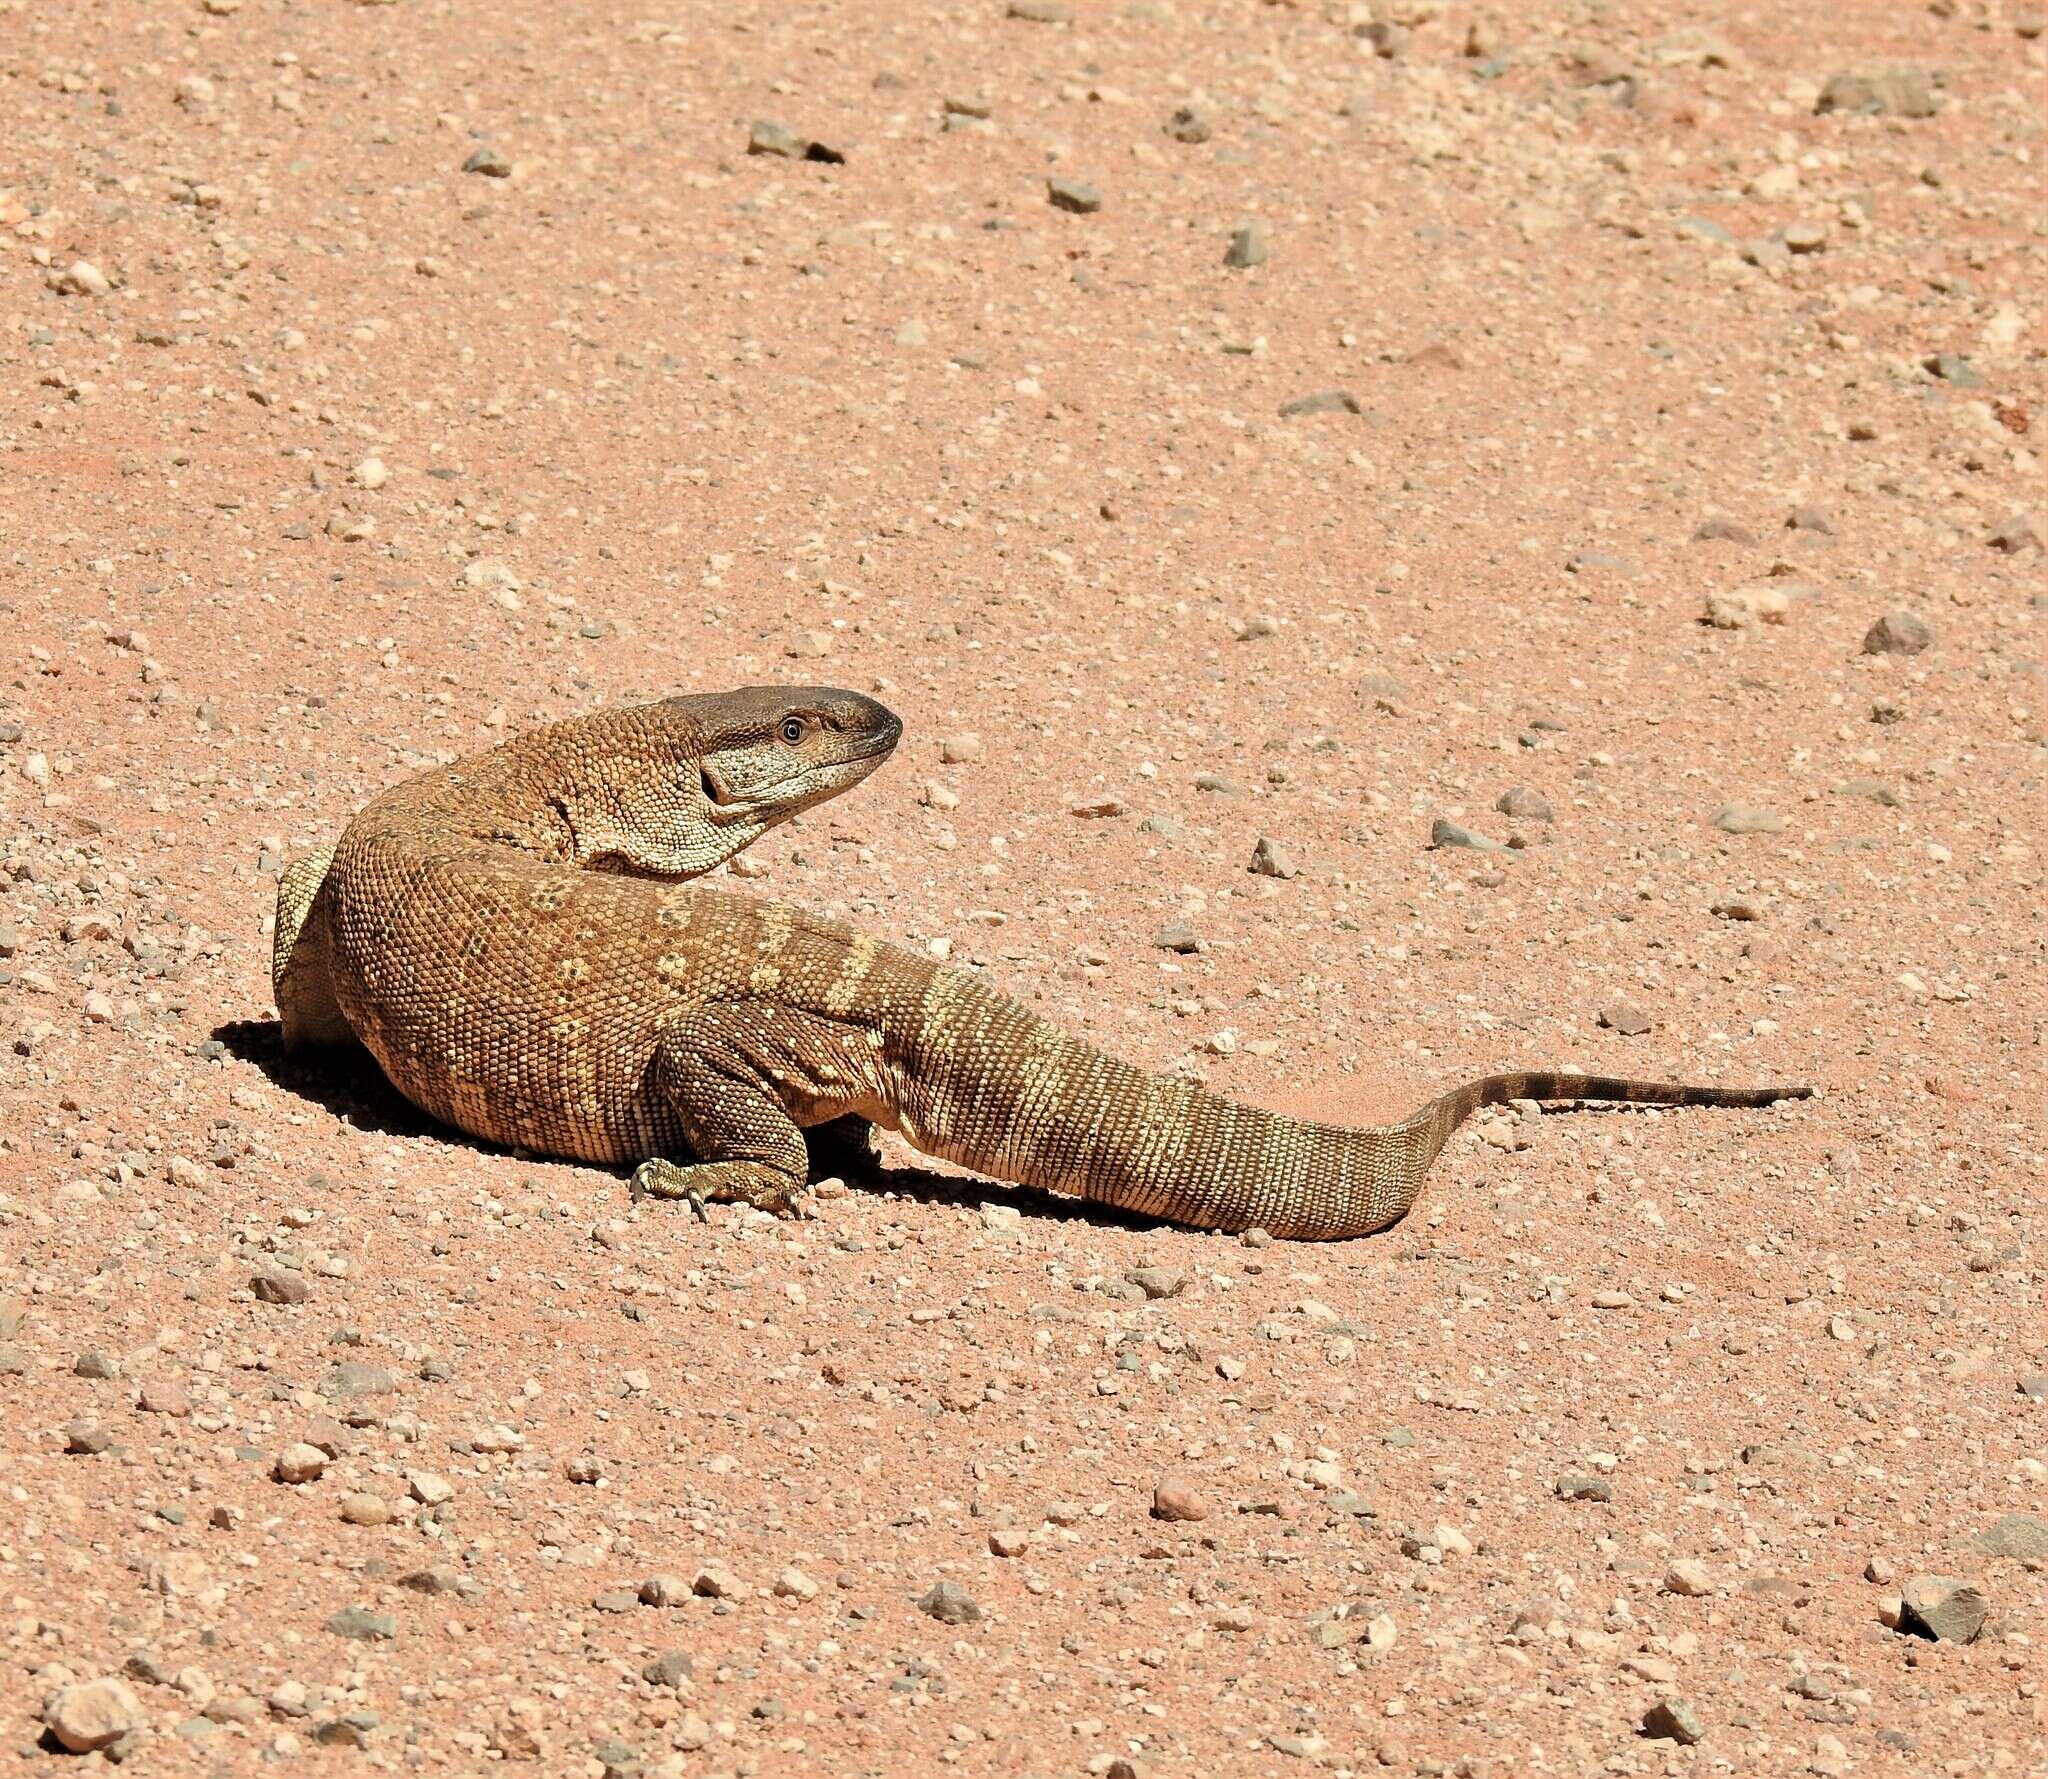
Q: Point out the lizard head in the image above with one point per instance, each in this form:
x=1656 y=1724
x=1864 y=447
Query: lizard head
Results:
x=770 y=752
x=675 y=788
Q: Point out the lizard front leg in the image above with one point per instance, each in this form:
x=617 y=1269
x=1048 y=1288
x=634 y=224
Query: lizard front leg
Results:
x=738 y=1076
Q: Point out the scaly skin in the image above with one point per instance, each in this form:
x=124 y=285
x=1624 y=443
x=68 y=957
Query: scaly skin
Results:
x=511 y=989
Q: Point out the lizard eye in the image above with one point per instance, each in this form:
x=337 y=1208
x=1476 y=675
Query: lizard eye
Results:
x=792 y=730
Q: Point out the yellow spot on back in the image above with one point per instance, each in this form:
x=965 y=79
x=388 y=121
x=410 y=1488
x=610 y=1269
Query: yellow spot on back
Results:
x=573 y=969
x=777 y=924
x=860 y=958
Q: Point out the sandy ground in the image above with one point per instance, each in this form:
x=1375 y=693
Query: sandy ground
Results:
x=378 y=379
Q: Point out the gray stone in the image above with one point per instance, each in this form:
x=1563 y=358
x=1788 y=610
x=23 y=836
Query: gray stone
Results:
x=671 y=1668
x=1075 y=196
x=1188 y=125
x=442 y=1578
x=948 y=1602
x=1324 y=401
x=1896 y=92
x=1249 y=247
x=1719 y=529
x=1158 y=1281
x=2014 y=536
x=1953 y=367
x=1445 y=833
x=1704 y=229
x=489 y=162
x=2017 y=1535
x=1270 y=860
x=352 y=1378
x=1573 y=1487
x=1942 y=1609
x=95 y=1364
x=1810 y=519
x=767 y=137
x=1898 y=632
x=1747 y=818
x=361 y=1625
x=1674 y=1719
x=276 y=1285
x=1177 y=936
x=1599 y=561
x=665 y=1590
x=86 y=1437
x=1524 y=805
x=1620 y=1016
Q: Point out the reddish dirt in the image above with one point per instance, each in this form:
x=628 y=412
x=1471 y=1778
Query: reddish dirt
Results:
x=655 y=413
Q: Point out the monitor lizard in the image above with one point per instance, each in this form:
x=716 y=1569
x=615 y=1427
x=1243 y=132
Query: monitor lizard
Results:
x=517 y=940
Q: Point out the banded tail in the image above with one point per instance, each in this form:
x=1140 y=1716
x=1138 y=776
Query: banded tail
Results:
x=1017 y=1098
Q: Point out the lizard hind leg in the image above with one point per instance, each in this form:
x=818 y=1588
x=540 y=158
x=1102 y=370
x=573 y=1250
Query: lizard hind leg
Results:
x=736 y=1078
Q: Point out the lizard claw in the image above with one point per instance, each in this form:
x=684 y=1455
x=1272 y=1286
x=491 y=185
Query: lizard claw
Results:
x=705 y=1182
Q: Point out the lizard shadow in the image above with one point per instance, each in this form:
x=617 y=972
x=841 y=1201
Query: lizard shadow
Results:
x=346 y=1083
x=969 y=1191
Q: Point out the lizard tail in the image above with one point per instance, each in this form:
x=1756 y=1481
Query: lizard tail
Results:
x=995 y=1088
x=1431 y=1126
x=299 y=951
x=1235 y=1166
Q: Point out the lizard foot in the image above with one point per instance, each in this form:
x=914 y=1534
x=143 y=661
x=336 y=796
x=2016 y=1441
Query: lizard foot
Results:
x=718 y=1182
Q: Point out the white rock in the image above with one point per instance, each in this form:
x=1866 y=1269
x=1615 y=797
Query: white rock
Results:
x=1688 y=1576
x=94 y=1713
x=82 y=278
x=794 y=1584
x=300 y=1463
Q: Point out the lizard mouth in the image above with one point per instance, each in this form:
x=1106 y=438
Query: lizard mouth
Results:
x=721 y=795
